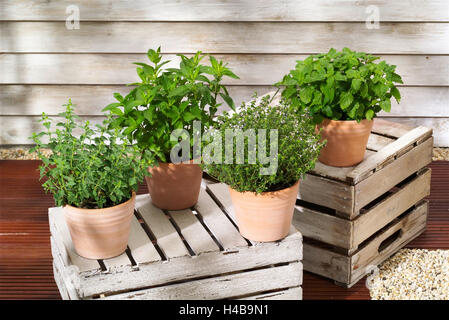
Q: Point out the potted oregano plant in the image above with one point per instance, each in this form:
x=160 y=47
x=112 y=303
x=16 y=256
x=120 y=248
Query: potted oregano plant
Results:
x=279 y=146
x=93 y=173
x=343 y=92
x=168 y=100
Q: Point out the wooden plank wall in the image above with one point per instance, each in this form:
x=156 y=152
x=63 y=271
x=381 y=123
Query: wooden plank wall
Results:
x=42 y=63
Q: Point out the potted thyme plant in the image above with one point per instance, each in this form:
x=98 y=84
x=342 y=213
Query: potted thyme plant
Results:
x=94 y=177
x=343 y=92
x=264 y=191
x=164 y=101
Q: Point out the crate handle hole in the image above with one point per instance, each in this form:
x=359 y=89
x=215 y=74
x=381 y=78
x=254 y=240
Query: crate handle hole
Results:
x=389 y=241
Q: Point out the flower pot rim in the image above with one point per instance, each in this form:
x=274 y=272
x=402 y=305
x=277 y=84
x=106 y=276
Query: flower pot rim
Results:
x=266 y=192
x=345 y=121
x=101 y=210
x=175 y=164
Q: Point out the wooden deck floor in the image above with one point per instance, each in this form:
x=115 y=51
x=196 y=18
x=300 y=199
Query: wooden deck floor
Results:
x=25 y=257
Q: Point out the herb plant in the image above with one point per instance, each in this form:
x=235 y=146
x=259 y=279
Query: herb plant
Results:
x=95 y=170
x=344 y=85
x=169 y=99
x=298 y=146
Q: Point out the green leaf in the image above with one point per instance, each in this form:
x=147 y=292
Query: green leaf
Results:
x=111 y=106
x=317 y=98
x=230 y=74
x=188 y=116
x=396 y=78
x=369 y=114
x=306 y=94
x=340 y=77
x=133 y=103
x=179 y=91
x=395 y=93
x=345 y=100
x=353 y=110
x=228 y=100
x=364 y=90
x=355 y=84
x=118 y=96
x=386 y=105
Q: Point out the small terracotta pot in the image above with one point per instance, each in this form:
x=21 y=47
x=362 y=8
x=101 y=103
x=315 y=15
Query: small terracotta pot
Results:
x=266 y=216
x=346 y=141
x=174 y=186
x=100 y=233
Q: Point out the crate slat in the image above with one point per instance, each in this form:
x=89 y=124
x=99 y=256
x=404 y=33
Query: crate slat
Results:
x=377 y=142
x=117 y=262
x=218 y=223
x=387 y=152
x=142 y=249
x=390 y=208
x=194 y=233
x=336 y=173
x=386 y=178
x=389 y=128
x=327 y=192
x=221 y=287
x=166 y=235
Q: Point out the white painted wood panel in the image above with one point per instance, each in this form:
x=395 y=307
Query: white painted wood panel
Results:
x=248 y=37
x=253 y=69
x=90 y=100
x=226 y=10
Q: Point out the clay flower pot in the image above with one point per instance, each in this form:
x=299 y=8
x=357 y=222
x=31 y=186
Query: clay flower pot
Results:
x=266 y=216
x=174 y=186
x=346 y=141
x=100 y=233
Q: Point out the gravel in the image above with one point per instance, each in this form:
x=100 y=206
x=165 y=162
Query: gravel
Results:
x=412 y=274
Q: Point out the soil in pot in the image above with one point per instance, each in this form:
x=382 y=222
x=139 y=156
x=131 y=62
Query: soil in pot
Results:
x=266 y=216
x=100 y=233
x=346 y=141
x=174 y=186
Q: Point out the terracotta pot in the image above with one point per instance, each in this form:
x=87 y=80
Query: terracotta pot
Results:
x=174 y=186
x=346 y=141
x=100 y=233
x=266 y=216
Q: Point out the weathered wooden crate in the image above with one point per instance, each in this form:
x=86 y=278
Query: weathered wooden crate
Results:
x=321 y=223
x=344 y=211
x=188 y=254
x=347 y=270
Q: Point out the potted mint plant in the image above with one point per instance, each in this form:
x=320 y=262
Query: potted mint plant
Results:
x=94 y=176
x=263 y=178
x=343 y=92
x=165 y=101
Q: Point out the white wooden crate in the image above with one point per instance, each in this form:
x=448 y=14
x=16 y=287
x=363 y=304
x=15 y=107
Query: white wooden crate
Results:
x=188 y=254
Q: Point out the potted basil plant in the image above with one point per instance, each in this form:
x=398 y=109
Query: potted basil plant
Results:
x=94 y=176
x=264 y=192
x=343 y=91
x=166 y=100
